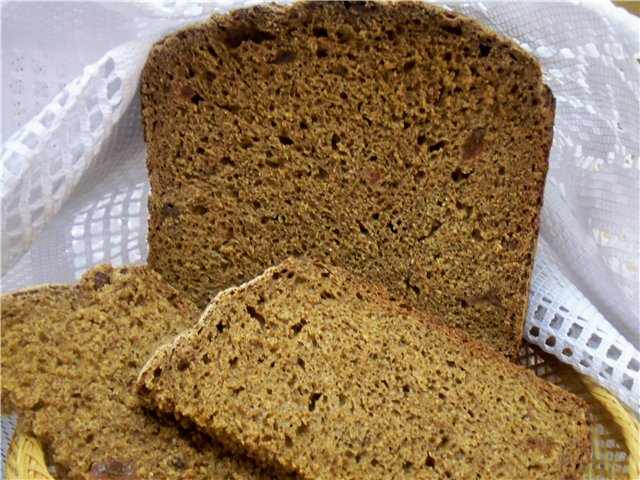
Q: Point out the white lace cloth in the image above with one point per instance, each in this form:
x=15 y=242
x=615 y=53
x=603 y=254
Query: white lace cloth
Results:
x=74 y=181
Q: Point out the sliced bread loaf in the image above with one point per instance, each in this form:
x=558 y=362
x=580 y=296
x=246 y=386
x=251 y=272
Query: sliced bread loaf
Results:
x=70 y=358
x=398 y=140
x=320 y=372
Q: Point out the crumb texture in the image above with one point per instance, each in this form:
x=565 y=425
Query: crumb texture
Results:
x=316 y=370
x=397 y=140
x=70 y=359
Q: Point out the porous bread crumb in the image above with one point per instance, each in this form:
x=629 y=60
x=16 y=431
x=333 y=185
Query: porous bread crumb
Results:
x=398 y=140
x=70 y=358
x=324 y=374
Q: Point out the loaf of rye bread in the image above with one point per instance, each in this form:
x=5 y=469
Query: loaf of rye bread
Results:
x=398 y=140
x=70 y=359
x=320 y=372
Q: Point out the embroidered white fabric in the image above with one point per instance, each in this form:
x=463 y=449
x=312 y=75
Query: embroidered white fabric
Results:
x=74 y=184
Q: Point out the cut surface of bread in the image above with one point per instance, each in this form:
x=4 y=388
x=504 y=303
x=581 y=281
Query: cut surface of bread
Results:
x=70 y=359
x=397 y=140
x=322 y=373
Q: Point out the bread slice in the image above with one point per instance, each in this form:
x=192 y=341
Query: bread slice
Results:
x=320 y=372
x=70 y=358
x=397 y=140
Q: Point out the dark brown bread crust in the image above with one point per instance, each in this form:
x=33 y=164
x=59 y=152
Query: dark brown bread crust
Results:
x=401 y=141
x=318 y=371
x=70 y=357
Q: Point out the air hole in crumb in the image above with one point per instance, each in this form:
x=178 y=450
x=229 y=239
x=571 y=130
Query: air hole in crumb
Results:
x=344 y=34
x=284 y=57
x=463 y=303
x=206 y=360
x=301 y=363
x=200 y=150
x=226 y=161
x=501 y=170
x=313 y=398
x=236 y=391
x=221 y=327
x=212 y=51
x=303 y=125
x=298 y=326
x=284 y=140
x=343 y=96
x=335 y=140
x=157 y=372
x=363 y=229
x=410 y=65
x=485 y=50
x=320 y=32
x=233 y=362
x=196 y=99
x=458 y=175
x=325 y=295
x=407 y=466
x=437 y=146
x=452 y=29
x=321 y=53
x=170 y=211
x=237 y=35
x=430 y=462
x=406 y=389
x=200 y=210
x=256 y=316
x=287 y=442
x=477 y=235
x=465 y=208
x=375 y=216
x=421 y=139
x=183 y=364
x=89 y=438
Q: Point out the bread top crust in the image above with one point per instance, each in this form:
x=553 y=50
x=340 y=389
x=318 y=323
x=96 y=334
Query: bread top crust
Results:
x=316 y=370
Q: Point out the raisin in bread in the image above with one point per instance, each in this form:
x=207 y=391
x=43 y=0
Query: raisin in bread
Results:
x=70 y=359
x=398 y=140
x=324 y=374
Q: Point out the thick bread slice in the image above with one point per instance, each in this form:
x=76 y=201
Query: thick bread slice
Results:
x=320 y=372
x=397 y=140
x=70 y=358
